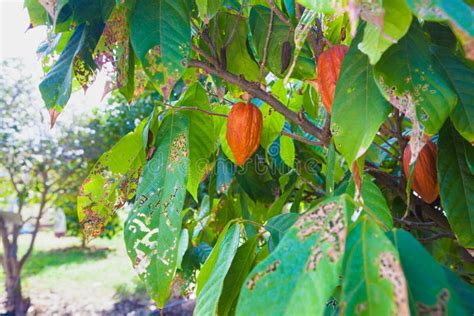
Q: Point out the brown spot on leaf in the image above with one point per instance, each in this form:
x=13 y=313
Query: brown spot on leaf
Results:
x=439 y=309
x=253 y=280
x=391 y=270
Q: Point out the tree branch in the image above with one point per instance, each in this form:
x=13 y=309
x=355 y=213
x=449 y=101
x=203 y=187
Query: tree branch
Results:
x=254 y=89
x=302 y=139
x=280 y=14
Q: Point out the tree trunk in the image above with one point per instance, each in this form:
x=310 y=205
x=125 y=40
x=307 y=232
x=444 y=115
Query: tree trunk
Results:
x=15 y=303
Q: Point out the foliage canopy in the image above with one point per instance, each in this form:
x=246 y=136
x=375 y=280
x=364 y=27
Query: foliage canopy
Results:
x=322 y=219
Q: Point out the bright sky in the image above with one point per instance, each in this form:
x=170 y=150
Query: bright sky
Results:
x=16 y=42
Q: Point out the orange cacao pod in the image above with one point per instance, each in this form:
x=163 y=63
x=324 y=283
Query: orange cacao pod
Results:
x=329 y=66
x=425 y=175
x=244 y=129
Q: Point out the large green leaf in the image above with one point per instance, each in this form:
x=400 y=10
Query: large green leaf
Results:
x=240 y=268
x=259 y=20
x=161 y=37
x=111 y=183
x=457 y=12
x=55 y=88
x=37 y=13
x=374 y=202
x=153 y=227
x=208 y=8
x=412 y=81
x=236 y=54
x=273 y=123
x=456 y=183
x=461 y=77
x=215 y=270
x=373 y=279
x=201 y=135
x=358 y=109
x=433 y=290
x=396 y=21
x=303 y=271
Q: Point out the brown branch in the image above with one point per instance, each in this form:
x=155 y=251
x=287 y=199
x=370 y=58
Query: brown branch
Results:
x=278 y=12
x=255 y=90
x=437 y=236
x=204 y=54
x=302 y=139
x=193 y=108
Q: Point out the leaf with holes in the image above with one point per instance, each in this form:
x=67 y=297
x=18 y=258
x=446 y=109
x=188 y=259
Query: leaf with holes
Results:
x=153 y=227
x=303 y=271
x=413 y=81
x=456 y=183
x=358 y=108
x=373 y=279
x=201 y=135
x=433 y=289
x=111 y=183
x=461 y=77
x=161 y=37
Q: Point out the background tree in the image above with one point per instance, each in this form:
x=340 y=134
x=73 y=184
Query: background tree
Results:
x=330 y=213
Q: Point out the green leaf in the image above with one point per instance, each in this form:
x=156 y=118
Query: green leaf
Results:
x=111 y=182
x=215 y=269
x=287 y=150
x=412 y=81
x=373 y=279
x=273 y=123
x=259 y=20
x=330 y=168
x=201 y=135
x=457 y=12
x=36 y=12
x=374 y=202
x=161 y=37
x=152 y=229
x=396 y=21
x=432 y=288
x=456 y=183
x=461 y=77
x=236 y=276
x=237 y=57
x=208 y=8
x=303 y=271
x=277 y=227
x=358 y=109
x=324 y=6
x=55 y=88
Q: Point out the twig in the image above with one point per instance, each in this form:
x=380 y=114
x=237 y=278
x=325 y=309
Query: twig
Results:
x=193 y=108
x=414 y=224
x=204 y=54
x=265 y=48
x=437 y=236
x=255 y=90
x=302 y=139
x=386 y=151
x=280 y=14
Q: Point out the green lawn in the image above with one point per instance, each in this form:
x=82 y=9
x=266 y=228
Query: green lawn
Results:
x=88 y=277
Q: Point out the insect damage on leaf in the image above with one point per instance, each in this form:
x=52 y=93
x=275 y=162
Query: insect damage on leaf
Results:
x=406 y=103
x=259 y=275
x=333 y=237
x=439 y=309
x=178 y=151
x=92 y=225
x=391 y=270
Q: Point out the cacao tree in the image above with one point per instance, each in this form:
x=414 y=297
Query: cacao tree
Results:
x=337 y=211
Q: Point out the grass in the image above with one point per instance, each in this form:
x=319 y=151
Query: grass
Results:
x=93 y=277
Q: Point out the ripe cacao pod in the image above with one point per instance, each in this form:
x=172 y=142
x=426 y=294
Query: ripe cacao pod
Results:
x=329 y=66
x=425 y=175
x=244 y=129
